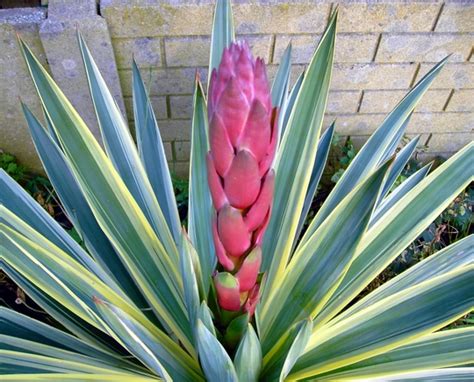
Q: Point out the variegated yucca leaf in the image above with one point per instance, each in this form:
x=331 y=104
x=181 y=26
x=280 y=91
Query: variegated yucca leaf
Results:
x=138 y=302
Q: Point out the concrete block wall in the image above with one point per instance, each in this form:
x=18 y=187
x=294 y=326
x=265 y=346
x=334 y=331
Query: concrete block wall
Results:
x=51 y=34
x=382 y=49
x=15 y=86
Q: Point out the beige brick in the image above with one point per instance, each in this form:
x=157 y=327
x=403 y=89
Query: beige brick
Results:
x=181 y=170
x=194 y=51
x=145 y=50
x=462 y=100
x=355 y=124
x=172 y=130
x=302 y=48
x=126 y=19
x=295 y=72
x=155 y=18
x=181 y=106
x=59 y=39
x=435 y=144
x=61 y=9
x=16 y=82
x=429 y=156
x=271 y=72
x=261 y=46
x=420 y=123
x=372 y=76
x=442 y=123
x=355 y=47
x=359 y=140
x=383 y=101
x=427 y=47
x=457 y=76
x=456 y=18
x=343 y=102
x=187 y=51
x=165 y=81
x=349 y=47
x=182 y=150
x=446 y=143
x=159 y=107
x=262 y=17
x=386 y=17
x=168 y=150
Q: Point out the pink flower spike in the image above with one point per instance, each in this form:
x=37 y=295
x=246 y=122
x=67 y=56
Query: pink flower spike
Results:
x=220 y=250
x=261 y=231
x=256 y=214
x=248 y=272
x=268 y=159
x=242 y=182
x=217 y=192
x=232 y=231
x=257 y=132
x=228 y=295
x=233 y=107
x=221 y=148
x=252 y=301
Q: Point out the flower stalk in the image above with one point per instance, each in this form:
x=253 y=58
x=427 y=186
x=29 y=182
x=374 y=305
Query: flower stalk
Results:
x=243 y=136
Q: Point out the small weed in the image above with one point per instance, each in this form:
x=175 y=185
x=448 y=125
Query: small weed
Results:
x=37 y=186
x=344 y=153
x=181 y=190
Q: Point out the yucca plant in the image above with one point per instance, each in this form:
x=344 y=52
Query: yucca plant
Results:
x=242 y=294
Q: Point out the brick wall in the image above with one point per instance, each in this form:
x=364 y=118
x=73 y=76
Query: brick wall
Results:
x=382 y=49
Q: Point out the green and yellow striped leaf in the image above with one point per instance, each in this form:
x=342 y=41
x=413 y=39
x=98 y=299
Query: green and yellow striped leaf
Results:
x=400 y=225
x=152 y=153
x=14 y=198
x=27 y=348
x=248 y=358
x=72 y=322
x=78 y=211
x=288 y=105
x=448 y=374
x=114 y=207
x=123 y=153
x=381 y=145
x=161 y=355
x=76 y=377
x=200 y=209
x=190 y=279
x=17 y=362
x=26 y=328
x=438 y=350
x=74 y=287
x=295 y=160
x=457 y=255
x=278 y=363
x=394 y=321
x=399 y=192
x=215 y=361
x=322 y=153
x=222 y=32
x=302 y=290
x=281 y=81
x=399 y=164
